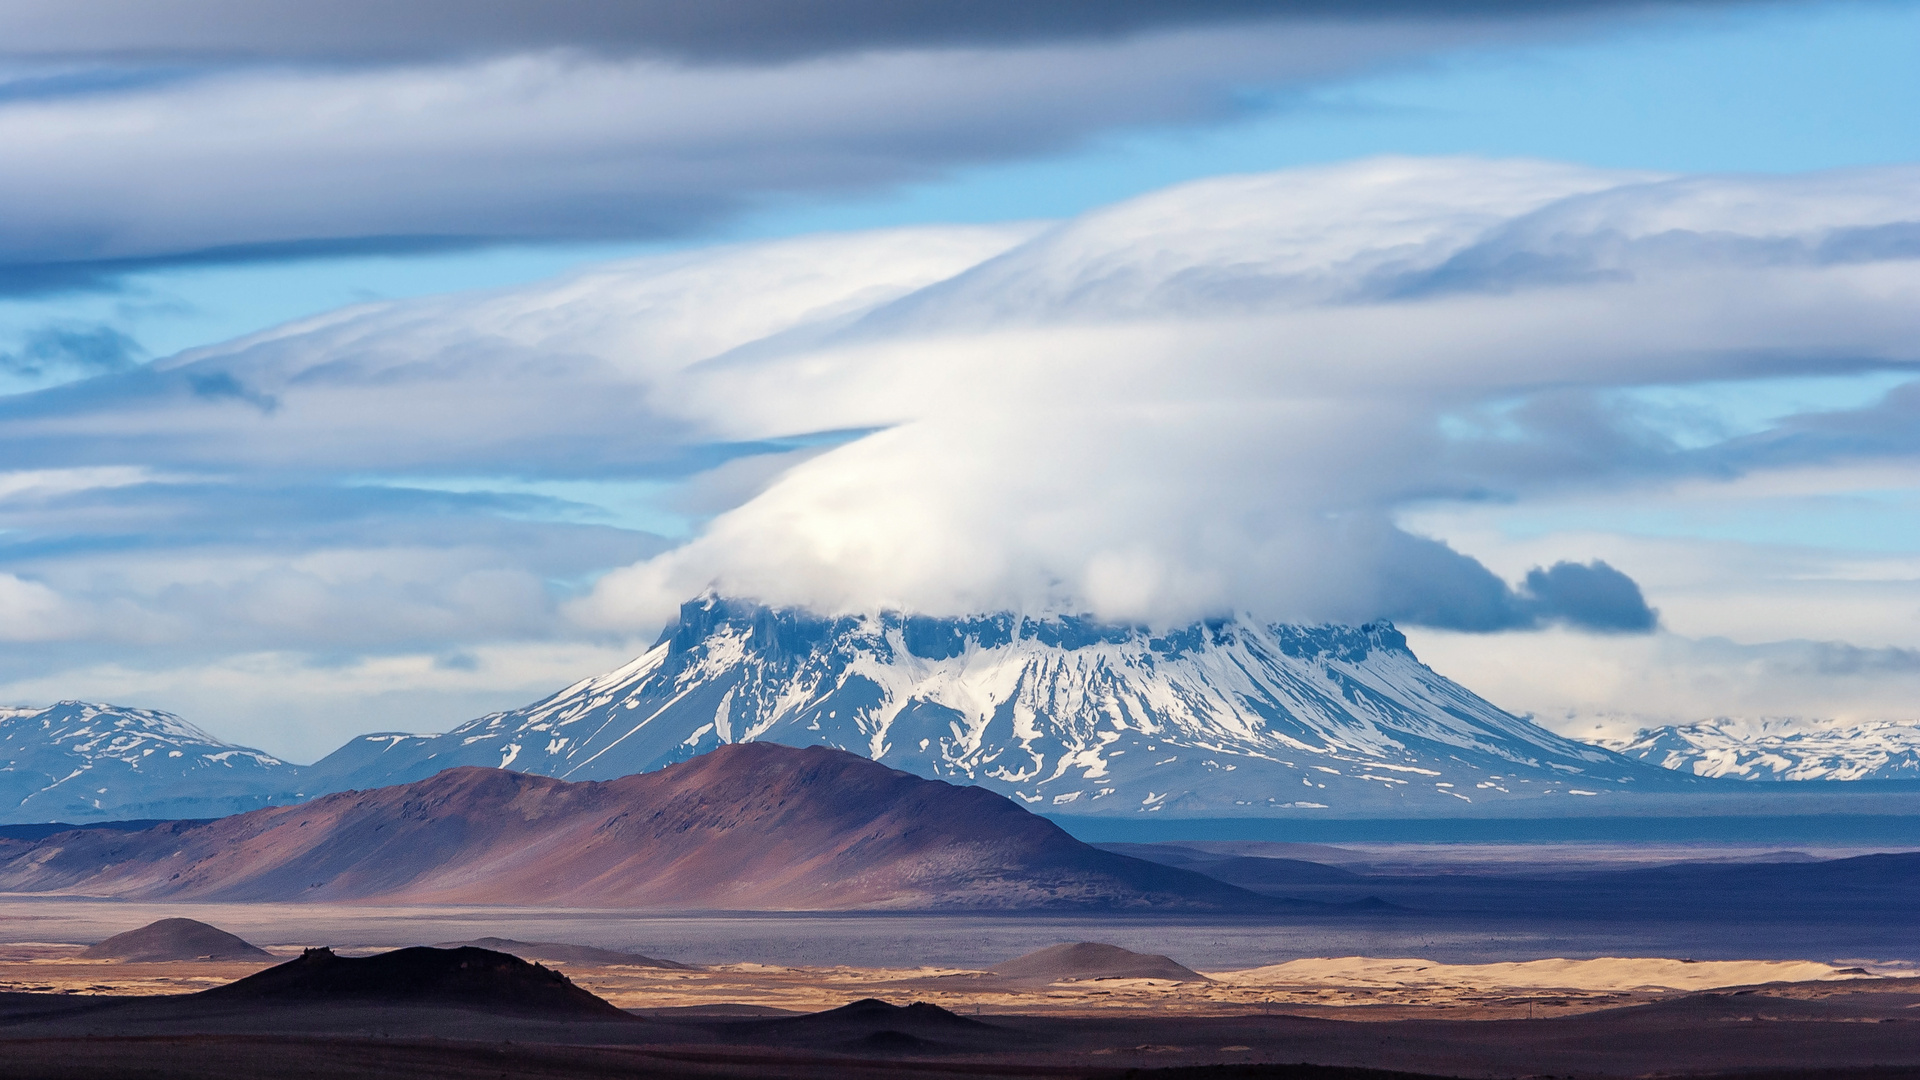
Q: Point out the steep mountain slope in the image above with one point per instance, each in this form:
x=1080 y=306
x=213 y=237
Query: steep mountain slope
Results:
x=76 y=761
x=755 y=826
x=1064 y=714
x=1781 y=750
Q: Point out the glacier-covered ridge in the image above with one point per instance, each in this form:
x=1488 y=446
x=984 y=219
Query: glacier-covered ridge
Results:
x=1065 y=714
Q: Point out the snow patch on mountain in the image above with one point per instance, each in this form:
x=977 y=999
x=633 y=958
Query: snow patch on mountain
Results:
x=1780 y=749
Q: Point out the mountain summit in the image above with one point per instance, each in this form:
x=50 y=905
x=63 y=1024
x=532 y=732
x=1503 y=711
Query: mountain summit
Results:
x=1065 y=714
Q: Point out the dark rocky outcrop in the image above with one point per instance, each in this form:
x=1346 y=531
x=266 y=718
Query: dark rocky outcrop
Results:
x=465 y=977
x=872 y=1026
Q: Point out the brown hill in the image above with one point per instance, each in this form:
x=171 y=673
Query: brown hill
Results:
x=472 y=978
x=1092 y=960
x=754 y=826
x=175 y=939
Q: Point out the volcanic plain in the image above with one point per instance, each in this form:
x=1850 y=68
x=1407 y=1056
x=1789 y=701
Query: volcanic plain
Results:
x=1080 y=1009
x=770 y=911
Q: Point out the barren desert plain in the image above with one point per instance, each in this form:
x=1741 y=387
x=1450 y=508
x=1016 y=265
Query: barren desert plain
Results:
x=1392 y=987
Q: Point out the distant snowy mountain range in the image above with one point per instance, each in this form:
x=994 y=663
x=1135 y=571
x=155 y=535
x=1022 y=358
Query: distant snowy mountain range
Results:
x=1065 y=715
x=1781 y=750
x=74 y=761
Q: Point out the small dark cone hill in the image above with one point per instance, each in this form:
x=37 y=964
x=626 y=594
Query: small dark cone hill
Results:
x=464 y=978
x=1092 y=960
x=872 y=1026
x=175 y=939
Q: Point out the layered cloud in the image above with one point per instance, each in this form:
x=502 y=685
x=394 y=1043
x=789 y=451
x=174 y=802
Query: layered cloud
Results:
x=385 y=30
x=1221 y=396
x=142 y=134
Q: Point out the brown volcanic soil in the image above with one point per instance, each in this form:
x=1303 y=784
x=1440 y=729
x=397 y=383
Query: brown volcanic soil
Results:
x=747 y=826
x=175 y=939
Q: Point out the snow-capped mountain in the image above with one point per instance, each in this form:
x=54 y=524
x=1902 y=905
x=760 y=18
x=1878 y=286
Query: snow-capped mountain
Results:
x=1781 y=749
x=79 y=762
x=1064 y=714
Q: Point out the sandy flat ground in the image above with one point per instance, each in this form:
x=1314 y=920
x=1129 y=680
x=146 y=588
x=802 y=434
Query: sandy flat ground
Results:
x=1388 y=987
x=1309 y=984
x=789 y=962
x=1604 y=974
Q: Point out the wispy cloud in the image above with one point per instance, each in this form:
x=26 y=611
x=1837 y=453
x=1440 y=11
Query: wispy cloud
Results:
x=731 y=31
x=71 y=351
x=1611 y=687
x=203 y=130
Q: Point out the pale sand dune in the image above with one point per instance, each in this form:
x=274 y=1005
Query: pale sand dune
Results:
x=1605 y=973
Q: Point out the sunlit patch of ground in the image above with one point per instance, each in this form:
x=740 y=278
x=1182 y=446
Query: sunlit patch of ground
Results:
x=1385 y=987
x=55 y=968
x=1356 y=986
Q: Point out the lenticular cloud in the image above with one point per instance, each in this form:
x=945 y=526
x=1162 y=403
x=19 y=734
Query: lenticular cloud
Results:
x=1220 y=397
x=1216 y=397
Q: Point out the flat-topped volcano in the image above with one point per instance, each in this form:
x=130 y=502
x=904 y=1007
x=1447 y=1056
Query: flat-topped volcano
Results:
x=1224 y=718
x=466 y=977
x=750 y=826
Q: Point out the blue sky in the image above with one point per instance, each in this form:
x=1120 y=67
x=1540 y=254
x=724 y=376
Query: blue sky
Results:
x=1783 y=88
x=166 y=194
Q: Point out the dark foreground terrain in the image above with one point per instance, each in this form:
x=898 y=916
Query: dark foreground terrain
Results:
x=1863 y=1030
